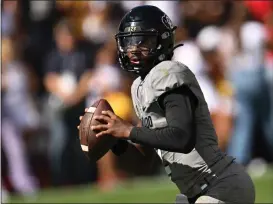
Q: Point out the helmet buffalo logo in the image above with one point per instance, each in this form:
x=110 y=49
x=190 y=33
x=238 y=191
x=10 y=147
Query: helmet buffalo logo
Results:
x=167 y=22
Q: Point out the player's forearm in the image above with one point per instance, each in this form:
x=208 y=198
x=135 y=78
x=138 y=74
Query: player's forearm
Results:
x=124 y=146
x=169 y=138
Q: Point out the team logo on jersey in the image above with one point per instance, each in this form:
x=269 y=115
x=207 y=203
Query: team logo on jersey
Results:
x=147 y=122
x=167 y=22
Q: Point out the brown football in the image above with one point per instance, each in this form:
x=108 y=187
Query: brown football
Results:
x=94 y=147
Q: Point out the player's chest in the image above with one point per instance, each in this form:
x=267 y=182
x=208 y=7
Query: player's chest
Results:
x=147 y=109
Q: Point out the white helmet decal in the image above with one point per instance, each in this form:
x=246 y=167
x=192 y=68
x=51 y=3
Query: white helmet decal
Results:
x=167 y=22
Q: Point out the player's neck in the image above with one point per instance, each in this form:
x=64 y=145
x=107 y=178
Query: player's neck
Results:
x=143 y=75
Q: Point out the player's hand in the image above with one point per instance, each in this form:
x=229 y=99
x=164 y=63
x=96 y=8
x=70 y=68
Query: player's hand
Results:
x=115 y=126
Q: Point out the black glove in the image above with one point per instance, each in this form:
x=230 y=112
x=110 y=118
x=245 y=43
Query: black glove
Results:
x=120 y=147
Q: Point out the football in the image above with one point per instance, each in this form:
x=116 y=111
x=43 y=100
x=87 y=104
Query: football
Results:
x=94 y=147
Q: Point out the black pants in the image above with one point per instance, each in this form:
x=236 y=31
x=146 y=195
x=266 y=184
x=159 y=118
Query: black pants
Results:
x=234 y=185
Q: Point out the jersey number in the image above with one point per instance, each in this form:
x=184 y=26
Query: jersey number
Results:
x=147 y=122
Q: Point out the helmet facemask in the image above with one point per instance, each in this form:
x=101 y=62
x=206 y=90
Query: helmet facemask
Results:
x=138 y=50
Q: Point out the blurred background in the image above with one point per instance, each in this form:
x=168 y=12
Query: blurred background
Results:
x=58 y=57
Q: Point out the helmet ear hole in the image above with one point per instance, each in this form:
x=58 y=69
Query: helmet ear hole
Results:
x=161 y=57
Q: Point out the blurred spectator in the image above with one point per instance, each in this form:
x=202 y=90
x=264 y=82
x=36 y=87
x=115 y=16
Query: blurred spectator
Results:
x=208 y=40
x=105 y=68
x=198 y=14
x=74 y=12
x=18 y=115
x=8 y=26
x=65 y=79
x=252 y=94
x=35 y=31
x=269 y=65
x=263 y=11
x=97 y=26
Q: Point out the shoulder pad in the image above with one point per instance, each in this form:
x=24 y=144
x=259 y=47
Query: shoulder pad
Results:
x=169 y=75
x=165 y=77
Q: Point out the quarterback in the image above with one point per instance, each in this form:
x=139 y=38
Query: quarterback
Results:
x=175 y=117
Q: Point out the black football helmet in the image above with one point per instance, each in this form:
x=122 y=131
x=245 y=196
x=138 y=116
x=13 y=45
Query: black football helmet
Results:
x=145 y=38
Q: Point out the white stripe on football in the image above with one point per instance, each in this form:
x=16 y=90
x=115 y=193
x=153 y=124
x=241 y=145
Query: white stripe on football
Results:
x=91 y=109
x=84 y=148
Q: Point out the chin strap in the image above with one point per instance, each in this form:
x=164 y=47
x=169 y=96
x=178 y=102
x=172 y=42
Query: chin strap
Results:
x=179 y=45
x=171 y=53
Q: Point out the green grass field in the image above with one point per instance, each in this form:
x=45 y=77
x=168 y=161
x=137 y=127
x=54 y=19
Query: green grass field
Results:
x=137 y=191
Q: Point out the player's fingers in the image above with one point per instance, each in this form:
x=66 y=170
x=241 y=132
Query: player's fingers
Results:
x=80 y=117
x=105 y=132
x=102 y=117
x=99 y=127
x=86 y=109
x=78 y=127
x=109 y=113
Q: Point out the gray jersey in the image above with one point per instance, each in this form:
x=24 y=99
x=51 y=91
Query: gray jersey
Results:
x=185 y=169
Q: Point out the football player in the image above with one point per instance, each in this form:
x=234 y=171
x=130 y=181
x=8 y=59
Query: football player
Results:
x=175 y=117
